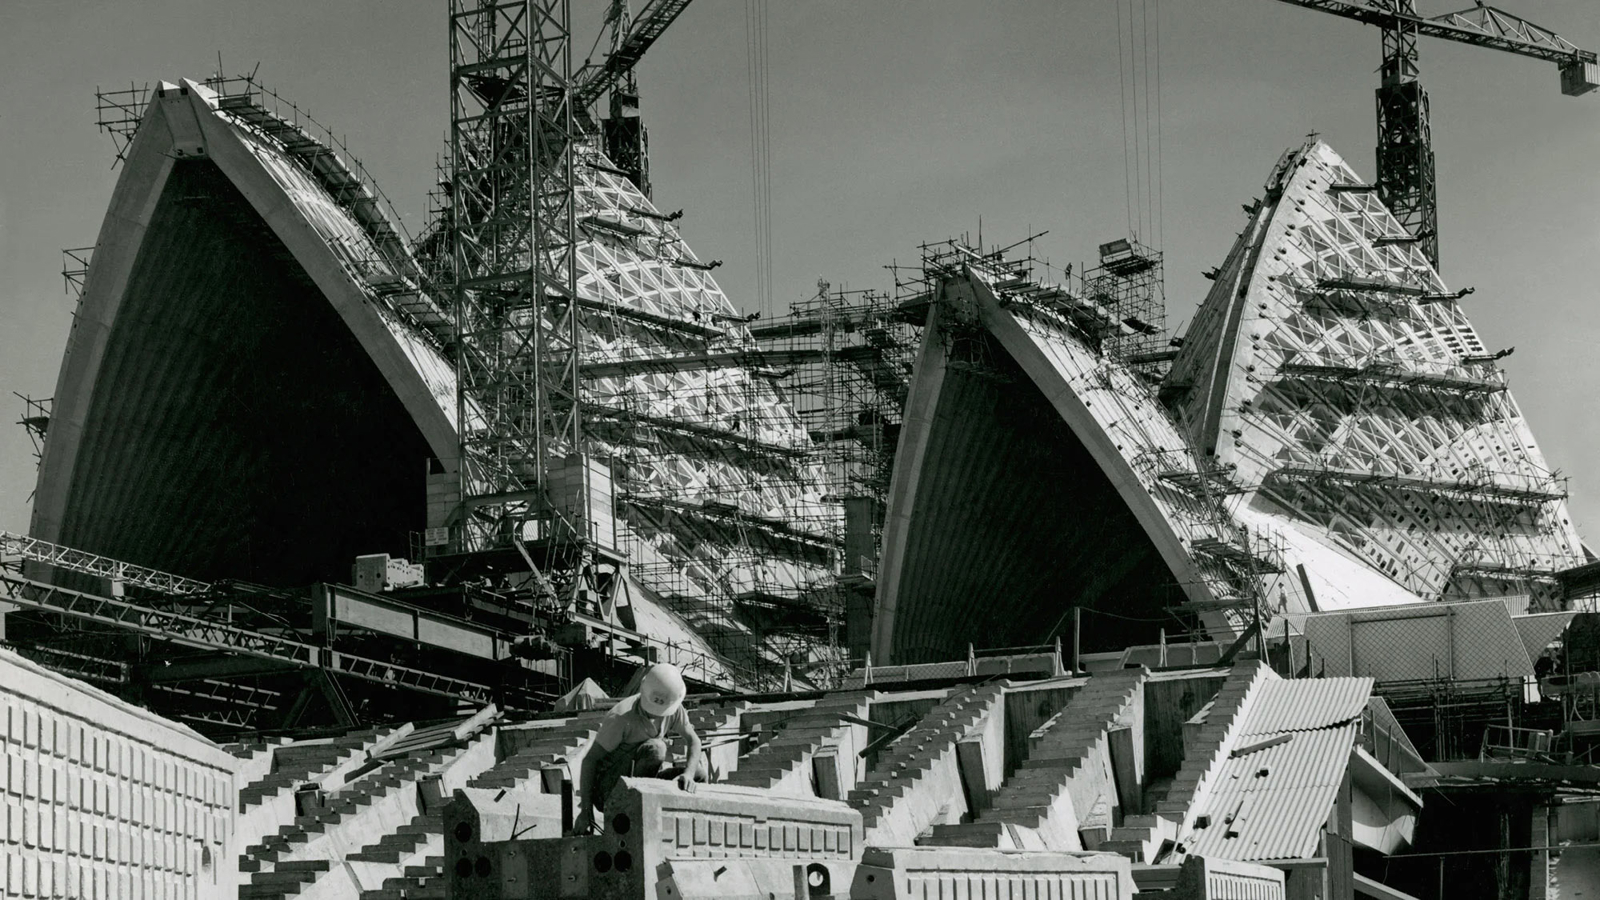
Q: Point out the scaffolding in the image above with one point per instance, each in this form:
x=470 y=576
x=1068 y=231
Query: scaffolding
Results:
x=844 y=359
x=35 y=421
x=75 y=269
x=118 y=114
x=1128 y=283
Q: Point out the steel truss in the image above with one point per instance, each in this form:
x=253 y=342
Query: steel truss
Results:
x=193 y=631
x=32 y=549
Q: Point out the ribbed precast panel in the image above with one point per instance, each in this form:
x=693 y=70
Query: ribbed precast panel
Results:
x=717 y=480
x=1338 y=382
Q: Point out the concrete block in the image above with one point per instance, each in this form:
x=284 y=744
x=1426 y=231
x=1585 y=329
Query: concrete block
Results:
x=653 y=821
x=907 y=873
x=752 y=879
x=1202 y=878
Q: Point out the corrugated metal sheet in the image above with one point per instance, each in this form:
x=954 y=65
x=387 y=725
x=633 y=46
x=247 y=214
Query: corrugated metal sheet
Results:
x=1306 y=703
x=1538 y=630
x=1272 y=803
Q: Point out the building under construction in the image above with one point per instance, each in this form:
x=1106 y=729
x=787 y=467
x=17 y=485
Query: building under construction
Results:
x=984 y=581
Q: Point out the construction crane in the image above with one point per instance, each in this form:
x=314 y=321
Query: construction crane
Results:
x=626 y=142
x=1405 y=144
x=520 y=118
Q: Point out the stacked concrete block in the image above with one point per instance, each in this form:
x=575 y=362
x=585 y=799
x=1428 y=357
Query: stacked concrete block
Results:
x=103 y=799
x=788 y=762
x=1068 y=773
x=917 y=782
x=1140 y=837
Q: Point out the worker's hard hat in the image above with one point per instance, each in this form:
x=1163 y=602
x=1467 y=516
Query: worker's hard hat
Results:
x=661 y=691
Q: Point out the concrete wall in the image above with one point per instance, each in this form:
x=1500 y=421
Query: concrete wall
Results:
x=1028 y=707
x=1168 y=702
x=105 y=800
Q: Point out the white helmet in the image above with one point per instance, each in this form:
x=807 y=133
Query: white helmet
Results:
x=661 y=691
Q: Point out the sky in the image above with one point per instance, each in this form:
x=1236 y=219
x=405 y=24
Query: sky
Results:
x=891 y=123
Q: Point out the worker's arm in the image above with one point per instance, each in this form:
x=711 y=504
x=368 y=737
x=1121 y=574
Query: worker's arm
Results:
x=609 y=736
x=691 y=765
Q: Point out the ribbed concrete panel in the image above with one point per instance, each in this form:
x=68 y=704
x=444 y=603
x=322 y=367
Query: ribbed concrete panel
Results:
x=230 y=382
x=233 y=406
x=1036 y=475
x=103 y=799
x=1301 y=705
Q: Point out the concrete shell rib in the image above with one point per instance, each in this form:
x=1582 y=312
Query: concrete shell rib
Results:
x=1338 y=381
x=933 y=595
x=122 y=428
x=183 y=128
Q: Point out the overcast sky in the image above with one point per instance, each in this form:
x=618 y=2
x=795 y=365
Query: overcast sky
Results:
x=892 y=123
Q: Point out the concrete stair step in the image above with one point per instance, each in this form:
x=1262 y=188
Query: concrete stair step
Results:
x=304 y=865
x=1031 y=816
x=423 y=825
x=1133 y=850
x=281 y=878
x=1025 y=799
x=968 y=834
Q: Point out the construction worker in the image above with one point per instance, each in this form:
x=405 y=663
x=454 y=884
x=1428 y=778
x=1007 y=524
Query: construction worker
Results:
x=633 y=741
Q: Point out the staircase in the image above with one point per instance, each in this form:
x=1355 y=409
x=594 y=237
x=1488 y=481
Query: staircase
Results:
x=557 y=747
x=296 y=764
x=424 y=881
x=782 y=763
x=904 y=792
x=286 y=863
x=1065 y=775
x=1140 y=837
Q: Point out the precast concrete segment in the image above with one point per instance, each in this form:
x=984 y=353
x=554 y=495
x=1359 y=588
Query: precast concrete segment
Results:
x=1338 y=381
x=753 y=879
x=923 y=873
x=1067 y=781
x=1208 y=878
x=917 y=780
x=86 y=778
x=654 y=822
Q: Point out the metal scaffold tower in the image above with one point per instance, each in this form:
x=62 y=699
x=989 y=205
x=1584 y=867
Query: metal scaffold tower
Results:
x=512 y=223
